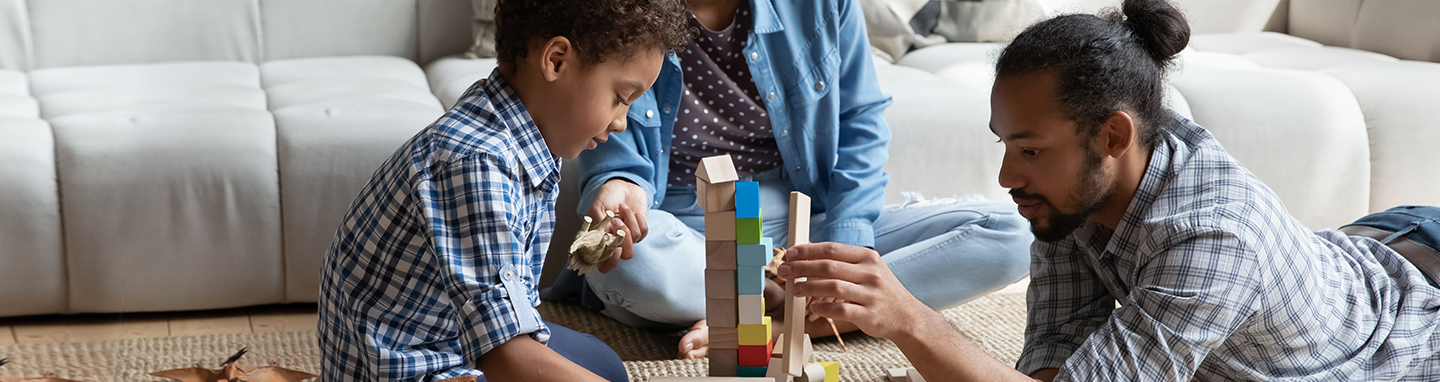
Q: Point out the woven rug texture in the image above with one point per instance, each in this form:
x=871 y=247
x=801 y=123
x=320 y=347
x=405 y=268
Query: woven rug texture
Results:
x=995 y=322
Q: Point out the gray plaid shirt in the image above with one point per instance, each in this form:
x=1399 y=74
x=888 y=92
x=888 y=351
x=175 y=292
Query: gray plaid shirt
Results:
x=1216 y=281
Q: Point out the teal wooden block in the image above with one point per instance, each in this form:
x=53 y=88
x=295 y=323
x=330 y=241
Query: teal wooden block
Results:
x=750 y=371
x=750 y=280
x=755 y=254
x=747 y=200
x=749 y=231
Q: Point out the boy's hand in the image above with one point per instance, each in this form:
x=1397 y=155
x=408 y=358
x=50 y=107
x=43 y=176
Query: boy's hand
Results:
x=850 y=283
x=620 y=196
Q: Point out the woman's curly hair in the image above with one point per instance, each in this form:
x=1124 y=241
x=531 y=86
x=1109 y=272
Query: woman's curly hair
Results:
x=598 y=29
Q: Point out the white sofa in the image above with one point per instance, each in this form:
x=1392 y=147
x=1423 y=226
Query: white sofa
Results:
x=164 y=155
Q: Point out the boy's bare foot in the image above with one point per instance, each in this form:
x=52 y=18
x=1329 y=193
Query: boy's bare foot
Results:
x=696 y=343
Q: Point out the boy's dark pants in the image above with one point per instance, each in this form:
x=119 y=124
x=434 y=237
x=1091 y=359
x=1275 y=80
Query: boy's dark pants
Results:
x=582 y=349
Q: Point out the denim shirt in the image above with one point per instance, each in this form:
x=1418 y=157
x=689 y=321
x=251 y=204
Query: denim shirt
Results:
x=834 y=142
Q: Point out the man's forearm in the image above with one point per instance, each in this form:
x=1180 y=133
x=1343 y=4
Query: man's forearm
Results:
x=941 y=353
x=524 y=359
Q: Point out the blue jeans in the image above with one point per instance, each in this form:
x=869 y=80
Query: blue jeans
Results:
x=945 y=254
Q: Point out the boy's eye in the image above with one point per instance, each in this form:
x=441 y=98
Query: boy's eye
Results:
x=619 y=101
x=1030 y=152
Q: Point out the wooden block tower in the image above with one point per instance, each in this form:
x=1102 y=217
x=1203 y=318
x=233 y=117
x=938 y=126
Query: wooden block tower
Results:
x=736 y=253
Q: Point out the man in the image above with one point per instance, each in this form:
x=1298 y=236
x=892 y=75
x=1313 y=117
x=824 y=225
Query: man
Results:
x=1135 y=205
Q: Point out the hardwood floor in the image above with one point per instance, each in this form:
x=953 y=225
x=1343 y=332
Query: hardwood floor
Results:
x=105 y=327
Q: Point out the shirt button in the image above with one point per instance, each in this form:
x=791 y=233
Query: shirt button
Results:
x=509 y=275
x=666 y=111
x=772 y=96
x=651 y=113
x=785 y=133
x=754 y=56
x=819 y=85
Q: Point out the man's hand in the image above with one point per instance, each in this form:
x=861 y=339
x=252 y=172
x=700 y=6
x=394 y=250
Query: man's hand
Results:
x=850 y=283
x=630 y=204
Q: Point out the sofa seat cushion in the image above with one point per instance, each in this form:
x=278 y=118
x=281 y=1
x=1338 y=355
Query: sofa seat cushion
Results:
x=1399 y=100
x=1241 y=43
x=15 y=97
x=337 y=119
x=177 y=185
x=33 y=277
x=1300 y=132
x=450 y=76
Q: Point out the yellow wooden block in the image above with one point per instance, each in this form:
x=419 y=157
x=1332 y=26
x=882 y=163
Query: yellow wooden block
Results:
x=756 y=335
x=832 y=371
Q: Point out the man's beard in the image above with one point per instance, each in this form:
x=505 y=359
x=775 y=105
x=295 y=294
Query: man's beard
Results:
x=1092 y=192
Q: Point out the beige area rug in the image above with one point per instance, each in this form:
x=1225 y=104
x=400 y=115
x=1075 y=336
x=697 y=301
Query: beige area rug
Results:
x=995 y=322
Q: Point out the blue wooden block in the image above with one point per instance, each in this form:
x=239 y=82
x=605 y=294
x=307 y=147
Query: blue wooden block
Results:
x=750 y=280
x=747 y=200
x=756 y=255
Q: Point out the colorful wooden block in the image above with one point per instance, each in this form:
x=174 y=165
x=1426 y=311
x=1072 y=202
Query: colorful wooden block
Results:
x=716 y=169
x=755 y=255
x=751 y=309
x=721 y=312
x=724 y=338
x=756 y=334
x=750 y=280
x=723 y=362
x=749 y=231
x=715 y=197
x=720 y=226
x=832 y=371
x=799 y=219
x=720 y=283
x=721 y=254
x=750 y=371
x=754 y=355
x=747 y=200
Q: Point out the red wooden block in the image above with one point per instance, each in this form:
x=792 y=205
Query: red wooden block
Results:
x=754 y=355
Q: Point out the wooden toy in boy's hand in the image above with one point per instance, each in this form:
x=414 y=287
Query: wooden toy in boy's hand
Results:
x=593 y=245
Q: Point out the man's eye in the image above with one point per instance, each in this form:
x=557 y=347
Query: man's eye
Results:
x=1030 y=152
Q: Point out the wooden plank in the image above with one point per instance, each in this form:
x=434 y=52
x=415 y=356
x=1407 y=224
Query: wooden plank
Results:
x=283 y=322
x=799 y=219
x=209 y=325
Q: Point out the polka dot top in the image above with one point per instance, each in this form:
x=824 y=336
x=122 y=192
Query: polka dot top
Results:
x=720 y=110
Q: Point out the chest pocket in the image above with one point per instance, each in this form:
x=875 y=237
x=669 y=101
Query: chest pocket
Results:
x=643 y=112
x=816 y=58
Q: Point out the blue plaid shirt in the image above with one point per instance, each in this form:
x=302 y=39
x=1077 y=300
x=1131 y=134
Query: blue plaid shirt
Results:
x=1216 y=281
x=438 y=258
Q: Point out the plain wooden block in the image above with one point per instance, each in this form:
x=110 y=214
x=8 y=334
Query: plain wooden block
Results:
x=914 y=376
x=716 y=169
x=747 y=200
x=720 y=283
x=749 y=231
x=794 y=355
x=750 y=309
x=724 y=338
x=799 y=218
x=813 y=372
x=723 y=362
x=721 y=254
x=779 y=347
x=713 y=197
x=899 y=375
x=720 y=226
x=721 y=312
x=808 y=349
x=777 y=371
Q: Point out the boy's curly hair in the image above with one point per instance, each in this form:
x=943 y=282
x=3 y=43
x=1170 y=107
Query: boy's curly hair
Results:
x=598 y=29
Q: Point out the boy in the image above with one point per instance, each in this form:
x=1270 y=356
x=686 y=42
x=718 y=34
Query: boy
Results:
x=432 y=275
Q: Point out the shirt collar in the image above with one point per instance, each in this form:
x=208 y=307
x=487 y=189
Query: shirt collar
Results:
x=536 y=161
x=766 y=20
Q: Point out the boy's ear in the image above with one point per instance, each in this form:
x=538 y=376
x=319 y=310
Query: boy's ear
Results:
x=555 y=56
